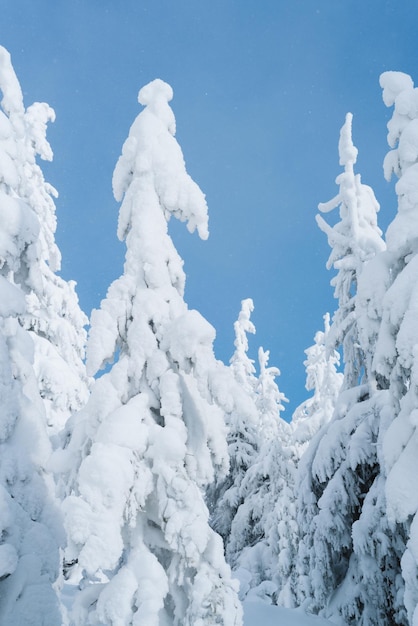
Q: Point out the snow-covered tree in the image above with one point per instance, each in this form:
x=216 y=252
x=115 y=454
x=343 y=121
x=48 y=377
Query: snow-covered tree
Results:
x=323 y=379
x=29 y=528
x=241 y=509
x=348 y=558
x=308 y=418
x=269 y=399
x=255 y=539
x=241 y=418
x=151 y=437
x=396 y=357
x=30 y=531
x=52 y=313
x=241 y=364
x=354 y=240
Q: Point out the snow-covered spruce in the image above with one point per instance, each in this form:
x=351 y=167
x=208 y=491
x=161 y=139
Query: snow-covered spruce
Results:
x=29 y=527
x=348 y=557
x=254 y=497
x=323 y=379
x=260 y=544
x=52 y=313
x=238 y=401
x=396 y=357
x=241 y=364
x=354 y=240
x=151 y=437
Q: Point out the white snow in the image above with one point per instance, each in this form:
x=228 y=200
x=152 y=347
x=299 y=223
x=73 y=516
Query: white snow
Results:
x=354 y=240
x=262 y=614
x=171 y=445
x=392 y=84
x=152 y=435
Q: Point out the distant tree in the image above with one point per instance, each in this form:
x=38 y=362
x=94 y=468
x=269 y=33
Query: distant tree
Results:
x=29 y=524
x=255 y=539
x=269 y=399
x=323 y=379
x=241 y=365
x=240 y=503
x=241 y=416
x=151 y=437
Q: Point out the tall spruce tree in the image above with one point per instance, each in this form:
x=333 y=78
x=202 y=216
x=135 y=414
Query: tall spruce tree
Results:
x=396 y=356
x=354 y=240
x=348 y=555
x=29 y=522
x=151 y=437
x=52 y=314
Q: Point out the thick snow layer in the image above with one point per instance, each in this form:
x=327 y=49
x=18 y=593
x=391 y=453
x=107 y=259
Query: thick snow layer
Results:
x=261 y=614
x=393 y=83
x=12 y=96
x=46 y=305
x=354 y=240
x=150 y=149
x=151 y=434
x=256 y=613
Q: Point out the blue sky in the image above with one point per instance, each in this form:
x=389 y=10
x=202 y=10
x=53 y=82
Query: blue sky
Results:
x=261 y=89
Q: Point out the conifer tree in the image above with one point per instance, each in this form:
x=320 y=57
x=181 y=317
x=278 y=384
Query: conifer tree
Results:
x=241 y=365
x=52 y=314
x=241 y=416
x=255 y=538
x=243 y=504
x=396 y=356
x=348 y=556
x=354 y=240
x=29 y=522
x=151 y=437
x=269 y=398
x=323 y=379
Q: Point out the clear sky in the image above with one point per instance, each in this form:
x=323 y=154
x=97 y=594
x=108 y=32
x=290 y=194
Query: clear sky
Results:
x=261 y=89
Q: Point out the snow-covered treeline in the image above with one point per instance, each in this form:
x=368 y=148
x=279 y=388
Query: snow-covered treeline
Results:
x=144 y=482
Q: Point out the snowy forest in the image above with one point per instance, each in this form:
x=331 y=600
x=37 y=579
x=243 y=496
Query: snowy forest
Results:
x=145 y=482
